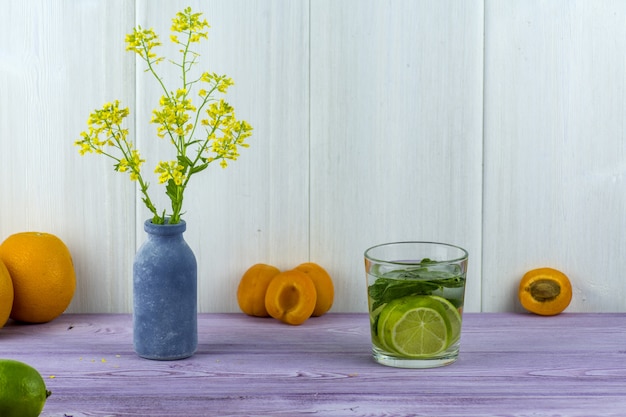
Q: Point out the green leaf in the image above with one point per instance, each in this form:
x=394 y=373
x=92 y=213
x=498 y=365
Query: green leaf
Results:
x=197 y=169
x=184 y=161
x=172 y=190
x=385 y=290
x=418 y=280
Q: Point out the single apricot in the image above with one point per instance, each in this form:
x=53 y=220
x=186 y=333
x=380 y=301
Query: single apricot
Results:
x=545 y=291
x=291 y=297
x=323 y=286
x=252 y=288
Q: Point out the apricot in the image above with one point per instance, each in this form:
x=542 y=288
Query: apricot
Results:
x=291 y=297
x=323 y=286
x=545 y=291
x=252 y=288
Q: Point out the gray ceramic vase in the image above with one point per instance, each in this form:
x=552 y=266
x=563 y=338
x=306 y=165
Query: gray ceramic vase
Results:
x=165 y=325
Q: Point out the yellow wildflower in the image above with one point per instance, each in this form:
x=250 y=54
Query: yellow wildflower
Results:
x=170 y=170
x=176 y=117
x=186 y=21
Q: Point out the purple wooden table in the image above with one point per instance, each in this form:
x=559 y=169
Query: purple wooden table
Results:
x=510 y=365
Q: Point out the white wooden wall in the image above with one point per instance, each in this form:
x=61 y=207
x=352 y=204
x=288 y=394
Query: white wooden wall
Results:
x=497 y=125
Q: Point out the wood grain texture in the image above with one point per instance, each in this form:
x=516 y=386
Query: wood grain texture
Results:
x=554 y=149
x=511 y=365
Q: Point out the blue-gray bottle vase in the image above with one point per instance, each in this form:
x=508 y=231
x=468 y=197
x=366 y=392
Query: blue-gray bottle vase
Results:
x=165 y=288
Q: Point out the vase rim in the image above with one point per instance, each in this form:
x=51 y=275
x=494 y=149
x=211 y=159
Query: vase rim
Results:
x=164 y=229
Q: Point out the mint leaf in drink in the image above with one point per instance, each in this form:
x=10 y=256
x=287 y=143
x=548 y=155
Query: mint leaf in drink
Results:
x=387 y=289
x=417 y=280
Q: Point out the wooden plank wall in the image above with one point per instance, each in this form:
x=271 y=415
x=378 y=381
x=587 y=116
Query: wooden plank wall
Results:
x=495 y=125
x=554 y=156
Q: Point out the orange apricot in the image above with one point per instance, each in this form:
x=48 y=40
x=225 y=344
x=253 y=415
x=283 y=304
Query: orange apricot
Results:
x=252 y=288
x=323 y=286
x=291 y=297
x=545 y=291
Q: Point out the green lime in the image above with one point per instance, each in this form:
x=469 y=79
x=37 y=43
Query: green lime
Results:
x=385 y=312
x=453 y=319
x=22 y=390
x=418 y=326
x=374 y=316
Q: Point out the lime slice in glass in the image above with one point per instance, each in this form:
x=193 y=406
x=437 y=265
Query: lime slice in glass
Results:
x=415 y=326
x=382 y=320
x=453 y=319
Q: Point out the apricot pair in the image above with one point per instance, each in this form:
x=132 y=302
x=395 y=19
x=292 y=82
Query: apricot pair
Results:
x=290 y=296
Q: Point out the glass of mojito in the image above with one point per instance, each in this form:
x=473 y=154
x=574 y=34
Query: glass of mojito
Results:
x=415 y=299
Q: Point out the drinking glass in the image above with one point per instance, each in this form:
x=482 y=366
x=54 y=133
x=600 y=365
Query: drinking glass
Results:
x=415 y=299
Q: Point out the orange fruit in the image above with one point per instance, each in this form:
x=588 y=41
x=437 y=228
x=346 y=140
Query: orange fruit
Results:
x=252 y=288
x=291 y=297
x=323 y=286
x=6 y=294
x=42 y=272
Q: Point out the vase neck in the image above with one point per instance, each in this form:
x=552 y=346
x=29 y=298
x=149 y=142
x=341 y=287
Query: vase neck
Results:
x=164 y=229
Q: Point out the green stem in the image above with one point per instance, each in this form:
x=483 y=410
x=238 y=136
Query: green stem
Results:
x=178 y=205
x=195 y=123
x=146 y=199
x=159 y=80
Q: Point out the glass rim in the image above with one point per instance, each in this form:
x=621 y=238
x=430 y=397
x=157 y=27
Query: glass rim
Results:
x=461 y=258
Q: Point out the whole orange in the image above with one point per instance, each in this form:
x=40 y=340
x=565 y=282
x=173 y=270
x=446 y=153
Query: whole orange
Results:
x=42 y=272
x=6 y=294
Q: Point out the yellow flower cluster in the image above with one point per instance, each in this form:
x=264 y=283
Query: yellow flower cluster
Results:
x=187 y=22
x=177 y=118
x=173 y=117
x=170 y=170
x=134 y=164
x=142 y=41
x=220 y=82
x=105 y=130
x=233 y=132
